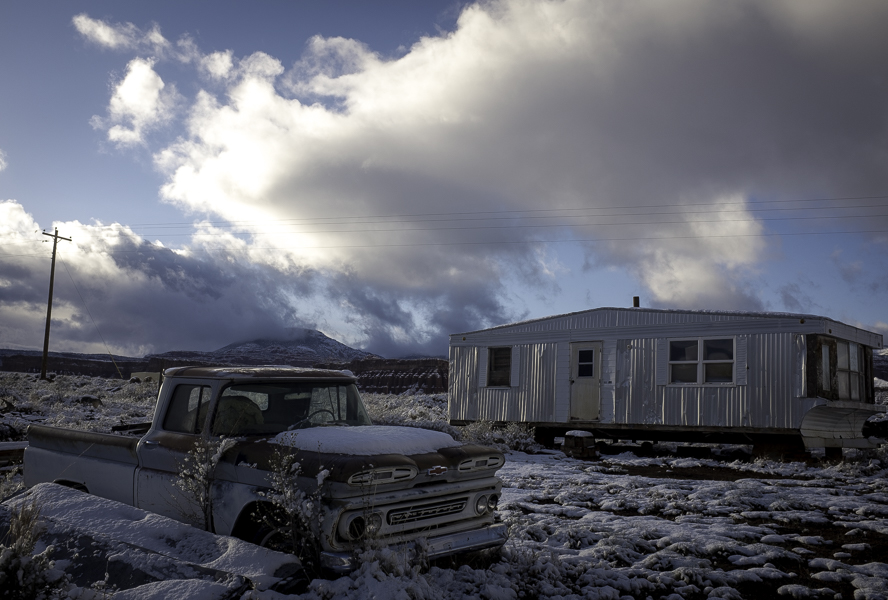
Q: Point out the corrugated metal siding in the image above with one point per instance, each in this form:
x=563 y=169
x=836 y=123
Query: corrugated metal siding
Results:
x=768 y=400
x=562 y=383
x=770 y=381
x=534 y=397
x=608 y=378
x=462 y=397
x=636 y=399
x=538 y=376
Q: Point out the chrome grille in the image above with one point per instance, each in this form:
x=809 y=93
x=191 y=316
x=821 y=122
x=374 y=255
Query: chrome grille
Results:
x=426 y=511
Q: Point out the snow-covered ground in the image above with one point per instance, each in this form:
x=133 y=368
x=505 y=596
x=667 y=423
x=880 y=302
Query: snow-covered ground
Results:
x=619 y=527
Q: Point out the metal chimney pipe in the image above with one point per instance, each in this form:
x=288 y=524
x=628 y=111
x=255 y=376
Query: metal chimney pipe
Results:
x=636 y=302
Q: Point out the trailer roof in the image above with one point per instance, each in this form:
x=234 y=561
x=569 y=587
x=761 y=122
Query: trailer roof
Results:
x=714 y=313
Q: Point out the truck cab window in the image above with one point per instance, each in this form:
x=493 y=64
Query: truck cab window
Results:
x=237 y=415
x=271 y=408
x=188 y=409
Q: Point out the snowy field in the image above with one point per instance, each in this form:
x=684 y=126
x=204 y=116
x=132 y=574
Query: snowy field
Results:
x=620 y=527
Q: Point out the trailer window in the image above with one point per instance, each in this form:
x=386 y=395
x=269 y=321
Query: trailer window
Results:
x=848 y=370
x=839 y=369
x=499 y=367
x=701 y=360
x=586 y=363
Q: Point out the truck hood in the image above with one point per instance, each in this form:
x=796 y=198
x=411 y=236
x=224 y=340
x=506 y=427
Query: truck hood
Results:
x=344 y=451
x=371 y=440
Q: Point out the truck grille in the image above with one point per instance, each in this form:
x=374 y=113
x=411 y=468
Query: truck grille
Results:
x=426 y=511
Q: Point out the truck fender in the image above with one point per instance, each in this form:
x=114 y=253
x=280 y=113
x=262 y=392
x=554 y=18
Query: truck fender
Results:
x=249 y=525
x=80 y=487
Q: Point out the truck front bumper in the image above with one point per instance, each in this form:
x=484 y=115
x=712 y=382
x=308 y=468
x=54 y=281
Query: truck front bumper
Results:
x=491 y=536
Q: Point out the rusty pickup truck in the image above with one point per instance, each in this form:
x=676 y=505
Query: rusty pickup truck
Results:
x=400 y=485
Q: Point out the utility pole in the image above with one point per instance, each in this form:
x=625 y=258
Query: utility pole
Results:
x=55 y=240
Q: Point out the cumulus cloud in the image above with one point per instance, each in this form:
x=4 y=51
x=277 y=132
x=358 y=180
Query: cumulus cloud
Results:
x=420 y=189
x=140 y=102
x=121 y=36
x=218 y=65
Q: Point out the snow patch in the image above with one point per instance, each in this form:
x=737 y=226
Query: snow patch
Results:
x=369 y=440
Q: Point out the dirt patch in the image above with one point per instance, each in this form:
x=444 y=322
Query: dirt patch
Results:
x=699 y=473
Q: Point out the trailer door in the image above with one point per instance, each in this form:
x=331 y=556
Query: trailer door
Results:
x=585 y=381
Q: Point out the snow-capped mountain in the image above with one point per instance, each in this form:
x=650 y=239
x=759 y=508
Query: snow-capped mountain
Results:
x=296 y=346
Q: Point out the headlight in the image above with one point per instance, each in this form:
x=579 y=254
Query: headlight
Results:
x=357 y=527
x=374 y=522
x=362 y=525
x=481 y=504
x=492 y=502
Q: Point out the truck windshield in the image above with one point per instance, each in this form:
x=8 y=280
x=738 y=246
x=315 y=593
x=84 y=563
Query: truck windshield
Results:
x=270 y=408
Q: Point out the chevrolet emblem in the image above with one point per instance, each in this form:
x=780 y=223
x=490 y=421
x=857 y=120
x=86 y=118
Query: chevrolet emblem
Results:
x=439 y=470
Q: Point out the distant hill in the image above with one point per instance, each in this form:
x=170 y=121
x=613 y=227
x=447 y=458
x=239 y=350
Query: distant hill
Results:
x=296 y=347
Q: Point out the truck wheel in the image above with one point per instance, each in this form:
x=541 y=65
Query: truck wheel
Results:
x=74 y=486
x=274 y=538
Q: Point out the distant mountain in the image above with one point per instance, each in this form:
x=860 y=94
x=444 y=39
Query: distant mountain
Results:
x=296 y=347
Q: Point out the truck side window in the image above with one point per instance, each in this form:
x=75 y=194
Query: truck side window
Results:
x=188 y=409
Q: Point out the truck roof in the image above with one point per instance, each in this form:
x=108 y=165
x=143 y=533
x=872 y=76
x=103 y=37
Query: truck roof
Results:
x=259 y=372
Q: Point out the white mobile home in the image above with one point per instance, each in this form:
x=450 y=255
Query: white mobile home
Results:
x=646 y=374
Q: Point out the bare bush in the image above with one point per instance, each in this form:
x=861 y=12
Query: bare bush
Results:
x=11 y=481
x=196 y=476
x=293 y=523
x=430 y=412
x=513 y=436
x=23 y=574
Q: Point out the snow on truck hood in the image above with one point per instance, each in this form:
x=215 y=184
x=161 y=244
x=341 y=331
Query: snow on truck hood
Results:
x=366 y=440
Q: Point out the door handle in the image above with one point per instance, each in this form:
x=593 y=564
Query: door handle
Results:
x=151 y=443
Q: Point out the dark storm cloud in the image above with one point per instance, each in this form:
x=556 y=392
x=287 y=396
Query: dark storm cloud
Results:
x=142 y=297
x=197 y=301
x=394 y=323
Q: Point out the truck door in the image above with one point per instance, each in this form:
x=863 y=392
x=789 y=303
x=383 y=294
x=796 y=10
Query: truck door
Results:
x=163 y=450
x=585 y=381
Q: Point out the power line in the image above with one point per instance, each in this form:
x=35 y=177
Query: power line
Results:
x=516 y=242
x=524 y=226
x=619 y=239
x=473 y=214
x=346 y=221
x=574 y=223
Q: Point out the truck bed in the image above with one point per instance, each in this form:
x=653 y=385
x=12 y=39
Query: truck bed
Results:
x=99 y=463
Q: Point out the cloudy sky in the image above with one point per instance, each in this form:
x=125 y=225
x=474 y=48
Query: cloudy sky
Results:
x=393 y=172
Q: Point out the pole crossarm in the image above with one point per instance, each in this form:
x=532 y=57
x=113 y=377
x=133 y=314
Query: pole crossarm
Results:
x=55 y=241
